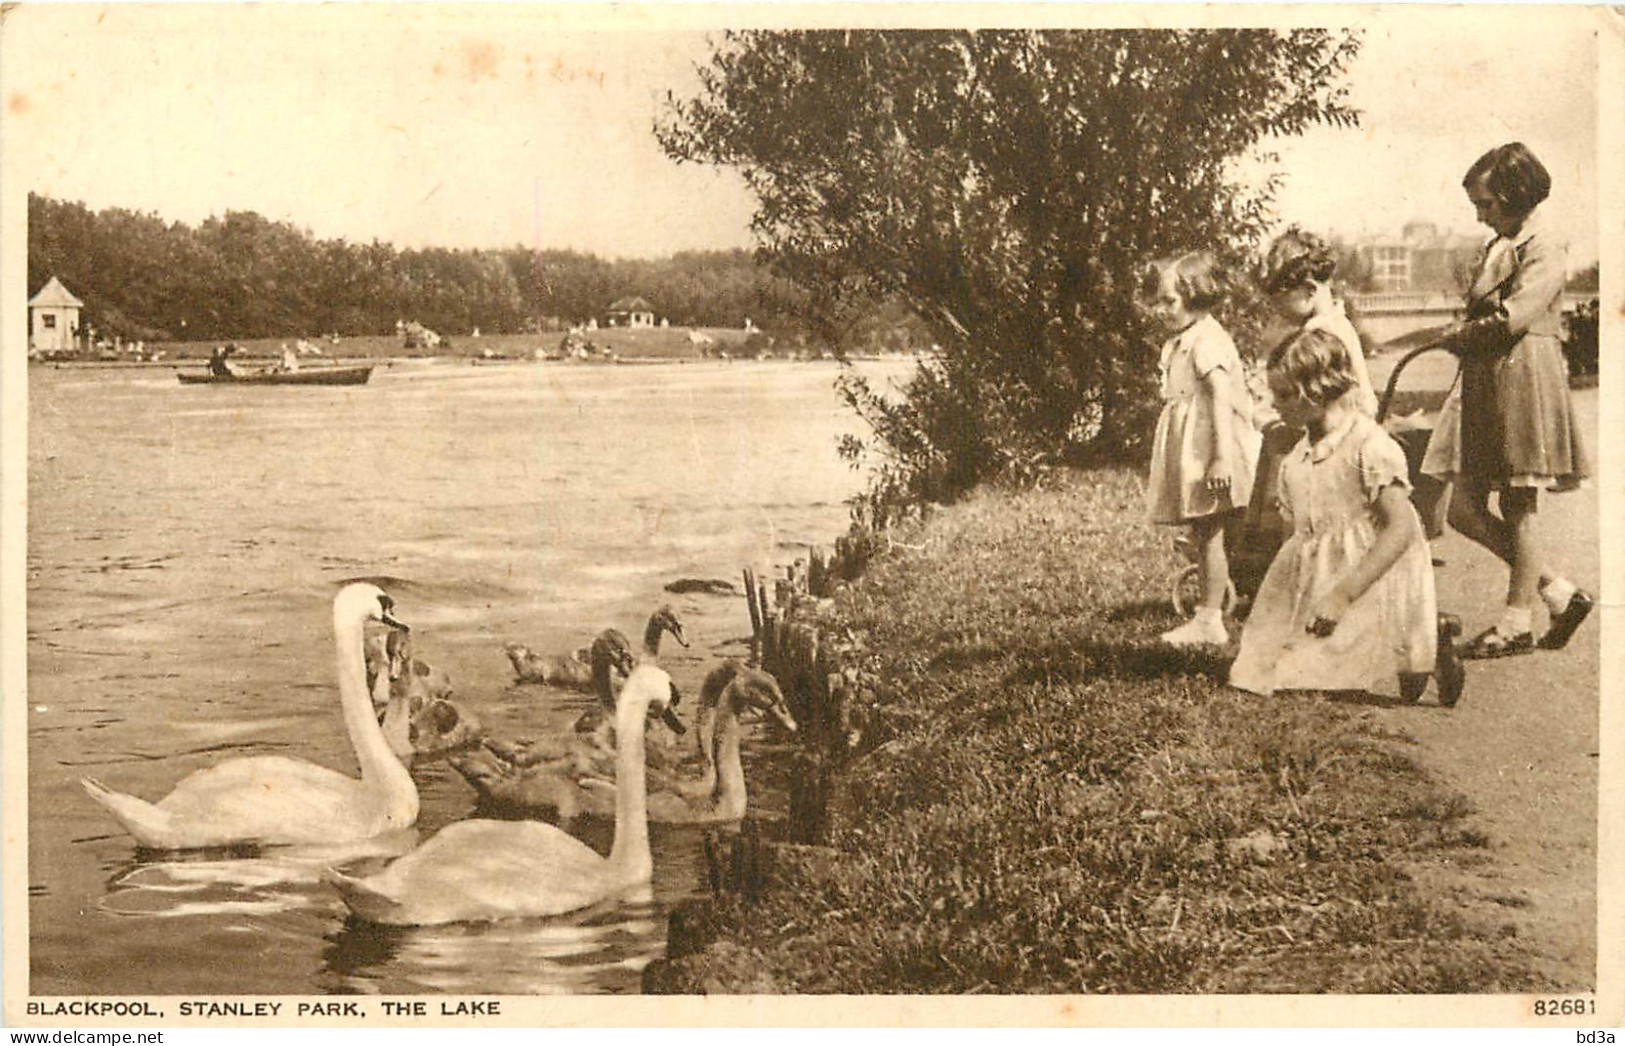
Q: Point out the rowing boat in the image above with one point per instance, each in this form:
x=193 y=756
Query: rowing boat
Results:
x=315 y=376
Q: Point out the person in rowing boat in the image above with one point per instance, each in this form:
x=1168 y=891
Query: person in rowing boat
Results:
x=218 y=364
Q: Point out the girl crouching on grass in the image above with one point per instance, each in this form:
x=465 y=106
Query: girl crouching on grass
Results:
x=1206 y=448
x=1348 y=602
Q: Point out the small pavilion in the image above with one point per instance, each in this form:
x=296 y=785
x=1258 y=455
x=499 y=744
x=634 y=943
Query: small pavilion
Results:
x=629 y=312
x=53 y=319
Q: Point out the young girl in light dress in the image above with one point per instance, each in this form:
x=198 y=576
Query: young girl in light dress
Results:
x=1297 y=276
x=1206 y=448
x=1348 y=603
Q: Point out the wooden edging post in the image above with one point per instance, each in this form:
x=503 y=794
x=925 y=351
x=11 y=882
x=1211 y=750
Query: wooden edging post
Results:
x=755 y=616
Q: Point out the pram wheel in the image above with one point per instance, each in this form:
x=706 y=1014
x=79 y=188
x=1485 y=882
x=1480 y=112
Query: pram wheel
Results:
x=1186 y=591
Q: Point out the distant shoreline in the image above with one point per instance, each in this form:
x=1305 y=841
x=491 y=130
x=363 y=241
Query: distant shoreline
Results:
x=252 y=363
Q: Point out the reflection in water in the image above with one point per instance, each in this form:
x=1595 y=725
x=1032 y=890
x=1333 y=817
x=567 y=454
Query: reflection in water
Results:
x=178 y=615
x=602 y=949
x=241 y=880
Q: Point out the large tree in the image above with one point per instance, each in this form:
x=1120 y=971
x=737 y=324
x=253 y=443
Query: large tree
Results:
x=1010 y=186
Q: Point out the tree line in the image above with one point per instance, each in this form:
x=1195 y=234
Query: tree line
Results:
x=241 y=275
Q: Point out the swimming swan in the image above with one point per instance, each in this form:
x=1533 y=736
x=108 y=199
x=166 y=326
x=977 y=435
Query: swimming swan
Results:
x=275 y=799
x=735 y=687
x=729 y=689
x=433 y=726
x=413 y=700
x=566 y=670
x=564 y=784
x=575 y=670
x=598 y=722
x=481 y=870
x=556 y=776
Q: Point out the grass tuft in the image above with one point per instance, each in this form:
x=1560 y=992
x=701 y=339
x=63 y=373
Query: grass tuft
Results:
x=1058 y=805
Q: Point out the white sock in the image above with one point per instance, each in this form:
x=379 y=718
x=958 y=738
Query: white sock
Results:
x=1212 y=617
x=1557 y=592
x=1515 y=621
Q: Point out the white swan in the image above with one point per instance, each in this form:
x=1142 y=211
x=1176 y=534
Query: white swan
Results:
x=275 y=799
x=480 y=870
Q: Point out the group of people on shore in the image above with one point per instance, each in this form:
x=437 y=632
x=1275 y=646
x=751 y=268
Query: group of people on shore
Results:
x=1349 y=599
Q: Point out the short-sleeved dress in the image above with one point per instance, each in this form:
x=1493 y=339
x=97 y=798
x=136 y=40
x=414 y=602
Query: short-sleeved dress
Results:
x=1508 y=420
x=1329 y=492
x=1177 y=490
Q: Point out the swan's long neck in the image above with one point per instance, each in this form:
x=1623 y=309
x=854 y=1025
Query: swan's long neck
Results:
x=396 y=723
x=631 y=801
x=713 y=694
x=651 y=635
x=729 y=795
x=705 y=730
x=630 y=851
x=381 y=771
x=603 y=682
x=381 y=687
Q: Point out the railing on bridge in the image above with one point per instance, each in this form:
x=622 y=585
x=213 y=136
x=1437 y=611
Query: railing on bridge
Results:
x=1431 y=301
x=1386 y=317
x=1405 y=301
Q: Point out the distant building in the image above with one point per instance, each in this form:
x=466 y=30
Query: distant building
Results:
x=629 y=312
x=416 y=336
x=1420 y=259
x=53 y=319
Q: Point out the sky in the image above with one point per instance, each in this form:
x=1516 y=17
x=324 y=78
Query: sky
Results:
x=461 y=126
x=1432 y=102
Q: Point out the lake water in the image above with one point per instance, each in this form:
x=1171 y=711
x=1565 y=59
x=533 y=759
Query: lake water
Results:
x=184 y=546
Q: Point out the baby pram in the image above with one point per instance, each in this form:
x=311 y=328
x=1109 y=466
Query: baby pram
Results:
x=1251 y=539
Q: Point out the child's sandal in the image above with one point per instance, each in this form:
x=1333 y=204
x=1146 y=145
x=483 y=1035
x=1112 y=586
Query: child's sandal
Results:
x=1447 y=668
x=1564 y=623
x=1493 y=643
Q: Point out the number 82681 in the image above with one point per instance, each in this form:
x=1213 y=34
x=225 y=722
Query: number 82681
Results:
x=1565 y=1007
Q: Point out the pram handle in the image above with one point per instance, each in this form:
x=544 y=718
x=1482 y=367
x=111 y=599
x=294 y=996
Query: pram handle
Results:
x=1438 y=344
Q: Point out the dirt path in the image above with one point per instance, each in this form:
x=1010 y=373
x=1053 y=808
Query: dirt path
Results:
x=1523 y=747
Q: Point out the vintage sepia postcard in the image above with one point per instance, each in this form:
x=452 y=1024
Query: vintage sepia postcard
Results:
x=761 y=514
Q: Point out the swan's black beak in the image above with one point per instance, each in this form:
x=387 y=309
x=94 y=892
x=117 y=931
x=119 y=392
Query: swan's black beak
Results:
x=677 y=634
x=385 y=605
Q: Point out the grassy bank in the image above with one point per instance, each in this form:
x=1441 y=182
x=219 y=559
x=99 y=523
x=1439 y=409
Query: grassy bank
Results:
x=1044 y=801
